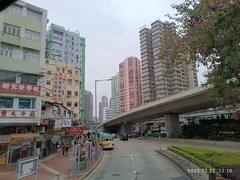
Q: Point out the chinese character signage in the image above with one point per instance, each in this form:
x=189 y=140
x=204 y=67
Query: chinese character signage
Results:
x=13 y=88
x=17 y=113
x=74 y=131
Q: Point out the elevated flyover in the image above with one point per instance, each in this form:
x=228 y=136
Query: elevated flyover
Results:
x=170 y=107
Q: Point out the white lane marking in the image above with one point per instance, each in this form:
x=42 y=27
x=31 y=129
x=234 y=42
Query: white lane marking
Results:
x=131 y=157
x=134 y=167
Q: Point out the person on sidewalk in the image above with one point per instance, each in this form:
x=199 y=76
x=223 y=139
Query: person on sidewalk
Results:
x=66 y=149
x=63 y=149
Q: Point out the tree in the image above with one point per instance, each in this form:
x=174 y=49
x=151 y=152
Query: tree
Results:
x=208 y=32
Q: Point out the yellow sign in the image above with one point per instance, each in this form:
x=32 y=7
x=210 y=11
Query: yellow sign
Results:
x=2 y=161
x=18 y=138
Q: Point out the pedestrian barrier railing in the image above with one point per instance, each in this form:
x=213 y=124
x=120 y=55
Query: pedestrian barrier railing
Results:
x=80 y=167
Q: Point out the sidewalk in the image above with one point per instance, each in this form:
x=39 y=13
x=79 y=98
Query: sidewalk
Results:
x=48 y=167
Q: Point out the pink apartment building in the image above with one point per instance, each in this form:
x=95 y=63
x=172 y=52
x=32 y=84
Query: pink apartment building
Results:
x=130 y=84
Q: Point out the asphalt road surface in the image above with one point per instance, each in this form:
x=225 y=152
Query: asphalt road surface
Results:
x=136 y=160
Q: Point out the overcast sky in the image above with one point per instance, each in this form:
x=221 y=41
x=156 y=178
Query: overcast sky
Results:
x=111 y=29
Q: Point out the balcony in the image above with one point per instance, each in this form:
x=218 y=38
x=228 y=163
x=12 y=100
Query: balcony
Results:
x=18 y=116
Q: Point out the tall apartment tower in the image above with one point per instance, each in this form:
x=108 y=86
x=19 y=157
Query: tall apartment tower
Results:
x=89 y=106
x=22 y=49
x=115 y=95
x=130 y=84
x=157 y=82
x=102 y=105
x=61 y=84
x=148 y=78
x=67 y=46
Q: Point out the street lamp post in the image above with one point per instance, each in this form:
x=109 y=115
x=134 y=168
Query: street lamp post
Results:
x=99 y=80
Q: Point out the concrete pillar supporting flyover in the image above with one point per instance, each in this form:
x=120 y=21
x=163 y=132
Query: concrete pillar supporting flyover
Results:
x=172 y=124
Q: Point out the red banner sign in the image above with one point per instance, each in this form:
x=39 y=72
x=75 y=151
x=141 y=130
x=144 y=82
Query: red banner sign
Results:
x=13 y=88
x=74 y=131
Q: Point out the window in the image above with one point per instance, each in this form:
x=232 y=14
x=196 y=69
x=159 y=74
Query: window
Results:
x=47 y=94
x=76 y=93
x=6 y=51
x=69 y=81
x=58 y=69
x=28 y=79
x=76 y=83
x=11 y=29
x=69 y=103
x=76 y=72
x=76 y=104
x=34 y=14
x=49 y=72
x=6 y=102
x=31 y=56
x=32 y=35
x=7 y=76
x=48 y=82
x=26 y=103
x=69 y=93
x=69 y=71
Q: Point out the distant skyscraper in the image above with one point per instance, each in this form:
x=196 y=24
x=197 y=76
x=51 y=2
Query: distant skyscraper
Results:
x=89 y=106
x=102 y=104
x=156 y=83
x=130 y=84
x=115 y=95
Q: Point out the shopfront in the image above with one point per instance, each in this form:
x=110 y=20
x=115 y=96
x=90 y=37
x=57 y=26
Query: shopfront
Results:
x=21 y=146
x=4 y=140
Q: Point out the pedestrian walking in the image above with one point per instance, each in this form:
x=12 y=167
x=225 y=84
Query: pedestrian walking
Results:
x=66 y=149
x=63 y=149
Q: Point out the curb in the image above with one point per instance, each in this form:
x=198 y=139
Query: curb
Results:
x=85 y=175
x=183 y=167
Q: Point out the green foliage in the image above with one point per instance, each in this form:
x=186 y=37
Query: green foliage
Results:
x=191 y=158
x=213 y=131
x=214 y=158
x=154 y=134
x=208 y=32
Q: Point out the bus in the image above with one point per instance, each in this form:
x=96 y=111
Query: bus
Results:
x=106 y=140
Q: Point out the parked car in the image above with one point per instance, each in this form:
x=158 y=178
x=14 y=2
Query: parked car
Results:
x=134 y=135
x=114 y=135
x=123 y=137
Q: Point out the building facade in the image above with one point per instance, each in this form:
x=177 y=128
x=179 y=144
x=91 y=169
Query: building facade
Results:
x=89 y=106
x=115 y=103
x=102 y=105
x=107 y=113
x=67 y=46
x=130 y=84
x=156 y=80
x=22 y=50
x=61 y=84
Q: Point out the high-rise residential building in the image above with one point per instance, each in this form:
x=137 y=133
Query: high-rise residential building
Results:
x=67 y=46
x=102 y=104
x=156 y=82
x=61 y=84
x=89 y=106
x=130 y=84
x=22 y=49
x=115 y=95
x=107 y=113
x=148 y=78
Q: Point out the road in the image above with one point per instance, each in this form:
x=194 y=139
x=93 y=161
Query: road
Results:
x=136 y=160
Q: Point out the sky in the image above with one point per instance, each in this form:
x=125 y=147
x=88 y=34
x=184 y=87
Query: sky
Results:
x=111 y=29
